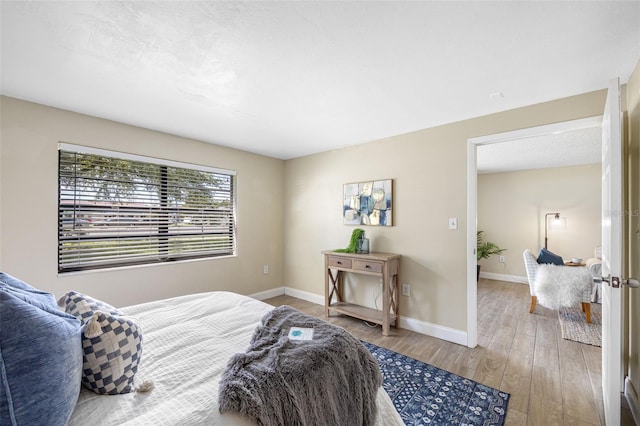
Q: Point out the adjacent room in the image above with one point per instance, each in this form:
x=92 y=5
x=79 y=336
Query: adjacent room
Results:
x=207 y=207
x=519 y=182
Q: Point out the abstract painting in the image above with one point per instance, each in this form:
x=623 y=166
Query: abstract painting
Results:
x=368 y=203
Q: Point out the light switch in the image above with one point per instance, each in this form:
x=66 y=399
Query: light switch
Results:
x=453 y=223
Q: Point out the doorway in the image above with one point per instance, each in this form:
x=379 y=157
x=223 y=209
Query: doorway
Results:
x=557 y=379
x=548 y=135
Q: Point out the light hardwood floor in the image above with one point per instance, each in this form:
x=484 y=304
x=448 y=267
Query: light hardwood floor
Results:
x=552 y=381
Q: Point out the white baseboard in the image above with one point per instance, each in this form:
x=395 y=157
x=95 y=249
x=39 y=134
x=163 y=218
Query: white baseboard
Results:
x=631 y=396
x=267 y=294
x=433 y=330
x=422 y=327
x=304 y=295
x=504 y=277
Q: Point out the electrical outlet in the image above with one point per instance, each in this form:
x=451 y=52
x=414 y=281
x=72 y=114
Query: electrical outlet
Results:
x=501 y=259
x=406 y=289
x=265 y=269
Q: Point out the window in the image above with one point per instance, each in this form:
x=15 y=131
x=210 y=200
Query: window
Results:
x=117 y=209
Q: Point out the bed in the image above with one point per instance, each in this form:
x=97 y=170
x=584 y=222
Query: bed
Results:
x=188 y=341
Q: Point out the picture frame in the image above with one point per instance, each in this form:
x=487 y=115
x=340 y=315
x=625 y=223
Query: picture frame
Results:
x=368 y=203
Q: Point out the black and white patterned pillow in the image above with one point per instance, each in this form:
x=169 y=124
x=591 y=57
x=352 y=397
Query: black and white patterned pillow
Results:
x=111 y=344
x=112 y=347
x=82 y=306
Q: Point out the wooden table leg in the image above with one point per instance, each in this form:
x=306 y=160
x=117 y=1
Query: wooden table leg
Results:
x=386 y=296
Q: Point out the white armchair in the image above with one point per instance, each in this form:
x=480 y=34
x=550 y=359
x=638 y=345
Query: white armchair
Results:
x=594 y=264
x=556 y=286
x=531 y=265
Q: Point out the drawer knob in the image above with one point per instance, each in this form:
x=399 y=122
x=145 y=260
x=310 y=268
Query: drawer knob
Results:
x=367 y=266
x=339 y=263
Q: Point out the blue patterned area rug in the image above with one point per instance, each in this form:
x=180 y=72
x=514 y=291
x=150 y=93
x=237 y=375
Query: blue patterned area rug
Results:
x=426 y=395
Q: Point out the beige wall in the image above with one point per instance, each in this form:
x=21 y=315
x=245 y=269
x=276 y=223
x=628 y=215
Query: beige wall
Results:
x=633 y=157
x=429 y=169
x=512 y=207
x=28 y=209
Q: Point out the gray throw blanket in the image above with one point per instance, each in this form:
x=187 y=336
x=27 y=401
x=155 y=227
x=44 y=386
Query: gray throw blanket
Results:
x=330 y=380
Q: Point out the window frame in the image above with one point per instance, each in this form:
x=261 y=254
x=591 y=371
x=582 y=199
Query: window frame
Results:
x=213 y=239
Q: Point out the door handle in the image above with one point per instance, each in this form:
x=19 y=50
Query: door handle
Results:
x=631 y=282
x=615 y=282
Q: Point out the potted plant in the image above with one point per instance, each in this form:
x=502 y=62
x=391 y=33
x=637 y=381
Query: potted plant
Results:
x=485 y=250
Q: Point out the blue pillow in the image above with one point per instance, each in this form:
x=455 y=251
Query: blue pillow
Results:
x=17 y=285
x=546 y=256
x=40 y=357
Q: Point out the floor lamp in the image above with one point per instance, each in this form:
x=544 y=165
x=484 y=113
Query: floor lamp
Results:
x=556 y=216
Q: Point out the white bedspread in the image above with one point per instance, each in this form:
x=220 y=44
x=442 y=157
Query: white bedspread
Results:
x=188 y=341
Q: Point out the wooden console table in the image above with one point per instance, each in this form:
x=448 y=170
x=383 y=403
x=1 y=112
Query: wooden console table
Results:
x=384 y=265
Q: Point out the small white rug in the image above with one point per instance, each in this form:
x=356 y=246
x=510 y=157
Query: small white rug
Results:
x=575 y=327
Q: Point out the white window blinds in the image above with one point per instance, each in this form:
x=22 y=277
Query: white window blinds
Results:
x=117 y=209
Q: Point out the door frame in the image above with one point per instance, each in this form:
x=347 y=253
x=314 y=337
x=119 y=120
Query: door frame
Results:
x=613 y=252
x=472 y=201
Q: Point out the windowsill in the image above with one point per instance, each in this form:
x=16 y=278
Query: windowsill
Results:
x=148 y=265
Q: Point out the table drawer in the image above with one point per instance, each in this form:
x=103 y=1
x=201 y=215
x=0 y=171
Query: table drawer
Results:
x=368 y=266
x=339 y=262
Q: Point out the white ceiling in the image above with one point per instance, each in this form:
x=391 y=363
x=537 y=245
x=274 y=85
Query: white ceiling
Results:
x=569 y=148
x=288 y=79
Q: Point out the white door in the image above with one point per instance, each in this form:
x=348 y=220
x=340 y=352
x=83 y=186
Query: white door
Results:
x=612 y=253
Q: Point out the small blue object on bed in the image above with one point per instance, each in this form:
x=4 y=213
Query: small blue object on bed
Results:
x=40 y=357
